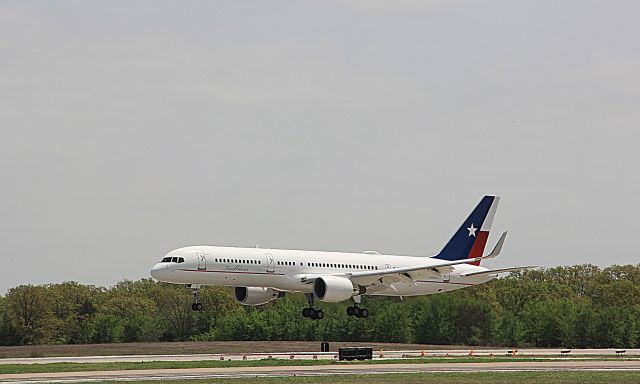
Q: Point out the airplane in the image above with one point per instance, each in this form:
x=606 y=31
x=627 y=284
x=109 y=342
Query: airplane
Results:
x=259 y=275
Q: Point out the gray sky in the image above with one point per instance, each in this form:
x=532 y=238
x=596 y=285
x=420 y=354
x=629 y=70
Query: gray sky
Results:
x=131 y=128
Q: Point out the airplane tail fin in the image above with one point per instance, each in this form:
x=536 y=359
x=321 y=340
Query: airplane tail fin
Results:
x=470 y=239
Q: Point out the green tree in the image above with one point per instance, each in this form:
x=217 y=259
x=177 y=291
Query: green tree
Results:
x=31 y=316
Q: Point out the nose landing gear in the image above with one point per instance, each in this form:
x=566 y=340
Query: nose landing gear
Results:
x=195 y=293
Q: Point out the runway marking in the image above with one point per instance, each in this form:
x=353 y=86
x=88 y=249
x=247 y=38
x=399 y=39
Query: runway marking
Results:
x=321 y=370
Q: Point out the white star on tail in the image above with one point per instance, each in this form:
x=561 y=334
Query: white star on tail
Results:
x=472 y=230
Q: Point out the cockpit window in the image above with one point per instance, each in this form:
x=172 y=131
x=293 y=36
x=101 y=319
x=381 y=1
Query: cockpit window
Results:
x=174 y=259
x=180 y=259
x=166 y=260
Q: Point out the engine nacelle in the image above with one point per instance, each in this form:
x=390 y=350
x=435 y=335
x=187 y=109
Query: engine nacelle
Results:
x=256 y=295
x=334 y=288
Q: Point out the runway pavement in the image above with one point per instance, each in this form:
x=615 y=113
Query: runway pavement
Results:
x=321 y=370
x=378 y=354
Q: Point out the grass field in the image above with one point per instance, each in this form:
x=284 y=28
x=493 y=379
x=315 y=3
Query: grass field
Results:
x=83 y=367
x=439 y=378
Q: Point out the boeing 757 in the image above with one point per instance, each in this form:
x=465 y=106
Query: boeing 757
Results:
x=262 y=275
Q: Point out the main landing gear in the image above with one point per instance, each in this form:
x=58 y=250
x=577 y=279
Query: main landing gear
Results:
x=312 y=313
x=356 y=310
x=195 y=293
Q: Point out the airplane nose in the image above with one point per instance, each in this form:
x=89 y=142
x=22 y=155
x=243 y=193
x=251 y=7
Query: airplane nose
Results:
x=157 y=271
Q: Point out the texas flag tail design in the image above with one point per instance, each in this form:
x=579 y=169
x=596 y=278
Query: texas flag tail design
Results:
x=469 y=241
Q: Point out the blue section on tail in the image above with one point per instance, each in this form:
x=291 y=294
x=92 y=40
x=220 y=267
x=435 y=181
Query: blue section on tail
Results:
x=460 y=244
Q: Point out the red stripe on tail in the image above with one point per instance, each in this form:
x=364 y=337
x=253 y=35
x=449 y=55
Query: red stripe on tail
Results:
x=478 y=246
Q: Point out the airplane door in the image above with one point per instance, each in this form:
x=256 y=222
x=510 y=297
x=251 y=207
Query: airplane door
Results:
x=202 y=260
x=270 y=267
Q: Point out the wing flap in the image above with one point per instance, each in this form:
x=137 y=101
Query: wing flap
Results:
x=496 y=271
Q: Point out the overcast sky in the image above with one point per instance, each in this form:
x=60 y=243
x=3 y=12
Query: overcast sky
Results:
x=132 y=128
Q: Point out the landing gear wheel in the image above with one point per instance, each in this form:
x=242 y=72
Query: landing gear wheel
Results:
x=195 y=294
x=312 y=313
x=360 y=313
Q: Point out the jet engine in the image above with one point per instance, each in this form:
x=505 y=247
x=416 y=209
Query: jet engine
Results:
x=256 y=295
x=334 y=289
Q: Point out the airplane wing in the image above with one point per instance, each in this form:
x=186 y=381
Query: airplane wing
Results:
x=495 y=271
x=398 y=274
x=409 y=274
x=498 y=247
x=413 y=268
x=437 y=267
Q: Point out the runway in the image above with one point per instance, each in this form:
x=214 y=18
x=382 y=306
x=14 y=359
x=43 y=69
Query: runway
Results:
x=378 y=354
x=320 y=370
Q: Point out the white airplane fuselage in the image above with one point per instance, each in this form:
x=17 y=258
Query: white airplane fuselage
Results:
x=290 y=270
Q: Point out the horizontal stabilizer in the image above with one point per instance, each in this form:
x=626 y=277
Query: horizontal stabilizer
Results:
x=496 y=271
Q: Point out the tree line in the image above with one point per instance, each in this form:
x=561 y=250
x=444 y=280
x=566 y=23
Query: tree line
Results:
x=575 y=306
